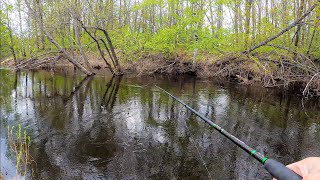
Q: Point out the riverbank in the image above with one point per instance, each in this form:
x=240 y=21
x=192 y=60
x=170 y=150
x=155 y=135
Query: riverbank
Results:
x=267 y=70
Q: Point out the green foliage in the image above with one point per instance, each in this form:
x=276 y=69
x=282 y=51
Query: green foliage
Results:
x=163 y=41
x=20 y=143
x=4 y=36
x=165 y=27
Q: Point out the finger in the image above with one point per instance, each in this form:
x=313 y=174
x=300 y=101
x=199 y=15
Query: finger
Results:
x=296 y=167
x=315 y=176
x=306 y=166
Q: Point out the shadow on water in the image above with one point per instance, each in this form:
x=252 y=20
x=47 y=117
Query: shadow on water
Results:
x=124 y=128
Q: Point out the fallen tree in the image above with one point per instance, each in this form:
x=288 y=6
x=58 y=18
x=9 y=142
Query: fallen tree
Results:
x=35 y=13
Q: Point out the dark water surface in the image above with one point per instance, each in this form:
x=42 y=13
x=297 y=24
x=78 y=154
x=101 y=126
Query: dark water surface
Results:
x=124 y=128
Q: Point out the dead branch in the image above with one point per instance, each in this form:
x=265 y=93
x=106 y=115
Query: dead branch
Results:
x=313 y=34
x=308 y=84
x=98 y=45
x=115 y=58
x=300 y=66
x=105 y=45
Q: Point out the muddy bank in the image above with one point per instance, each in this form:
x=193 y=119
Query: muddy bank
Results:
x=297 y=73
x=268 y=71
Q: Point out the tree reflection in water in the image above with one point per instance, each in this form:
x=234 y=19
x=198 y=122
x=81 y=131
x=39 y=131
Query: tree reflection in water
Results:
x=123 y=128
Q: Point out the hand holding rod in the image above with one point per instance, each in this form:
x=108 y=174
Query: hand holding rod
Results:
x=275 y=168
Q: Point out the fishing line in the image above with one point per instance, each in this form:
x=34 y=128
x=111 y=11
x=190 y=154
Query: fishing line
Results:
x=275 y=168
x=195 y=145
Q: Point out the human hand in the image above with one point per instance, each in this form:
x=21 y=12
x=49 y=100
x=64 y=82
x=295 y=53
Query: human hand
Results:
x=308 y=169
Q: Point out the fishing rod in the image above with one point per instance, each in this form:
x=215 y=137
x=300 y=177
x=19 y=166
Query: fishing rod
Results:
x=275 y=168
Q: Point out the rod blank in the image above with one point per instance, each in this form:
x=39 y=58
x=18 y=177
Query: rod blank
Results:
x=275 y=168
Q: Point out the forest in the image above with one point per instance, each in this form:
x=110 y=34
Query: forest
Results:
x=273 y=42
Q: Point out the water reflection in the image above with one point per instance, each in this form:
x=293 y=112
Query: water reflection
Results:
x=124 y=128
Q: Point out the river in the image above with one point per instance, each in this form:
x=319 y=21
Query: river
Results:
x=125 y=128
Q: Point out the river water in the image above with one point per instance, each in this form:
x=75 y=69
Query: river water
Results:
x=125 y=128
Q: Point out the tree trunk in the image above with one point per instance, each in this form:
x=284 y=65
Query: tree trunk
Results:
x=310 y=44
x=299 y=26
x=40 y=23
x=253 y=23
x=219 y=16
x=83 y=55
x=23 y=50
x=259 y=20
x=248 y=6
x=11 y=42
x=70 y=39
x=267 y=18
x=285 y=15
x=211 y=16
x=116 y=61
x=236 y=20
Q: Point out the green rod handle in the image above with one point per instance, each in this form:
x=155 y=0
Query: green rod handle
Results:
x=280 y=171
